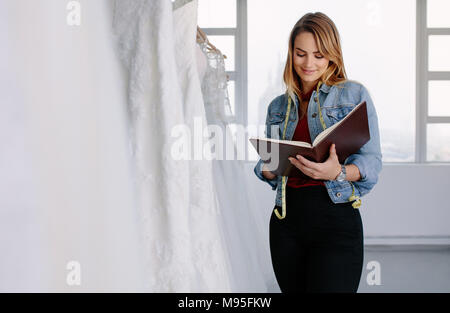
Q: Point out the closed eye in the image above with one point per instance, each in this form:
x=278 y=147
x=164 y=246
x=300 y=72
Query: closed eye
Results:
x=317 y=56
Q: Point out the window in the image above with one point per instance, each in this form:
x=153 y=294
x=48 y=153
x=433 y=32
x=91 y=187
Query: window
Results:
x=379 y=52
x=225 y=24
x=433 y=113
x=399 y=51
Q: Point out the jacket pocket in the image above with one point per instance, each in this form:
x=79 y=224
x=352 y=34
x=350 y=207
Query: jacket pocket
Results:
x=338 y=112
x=275 y=124
x=276 y=118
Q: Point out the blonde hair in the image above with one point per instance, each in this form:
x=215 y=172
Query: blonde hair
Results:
x=328 y=42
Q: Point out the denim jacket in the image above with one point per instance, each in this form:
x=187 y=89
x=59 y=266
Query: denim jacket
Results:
x=335 y=102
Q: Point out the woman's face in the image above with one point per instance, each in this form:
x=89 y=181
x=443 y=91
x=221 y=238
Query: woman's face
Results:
x=308 y=62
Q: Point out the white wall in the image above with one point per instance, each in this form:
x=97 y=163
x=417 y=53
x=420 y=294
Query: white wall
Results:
x=409 y=205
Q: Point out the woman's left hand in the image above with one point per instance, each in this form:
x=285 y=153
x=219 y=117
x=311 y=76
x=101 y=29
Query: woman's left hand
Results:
x=327 y=170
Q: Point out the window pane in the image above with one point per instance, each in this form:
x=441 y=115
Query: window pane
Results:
x=438 y=100
x=216 y=13
x=437 y=13
x=439 y=53
x=226 y=45
x=365 y=61
x=438 y=142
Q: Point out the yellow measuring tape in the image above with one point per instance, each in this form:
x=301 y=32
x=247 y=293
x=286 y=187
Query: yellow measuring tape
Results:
x=284 y=178
x=356 y=204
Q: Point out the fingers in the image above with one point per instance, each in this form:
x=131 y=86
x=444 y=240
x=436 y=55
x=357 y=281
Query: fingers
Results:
x=307 y=163
x=295 y=162
x=302 y=167
x=313 y=169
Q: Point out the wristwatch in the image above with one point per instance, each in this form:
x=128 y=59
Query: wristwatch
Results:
x=342 y=175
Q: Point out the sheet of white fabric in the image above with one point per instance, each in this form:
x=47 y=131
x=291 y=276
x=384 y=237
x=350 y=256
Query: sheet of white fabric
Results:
x=21 y=264
x=210 y=257
x=183 y=244
x=244 y=227
x=66 y=183
x=145 y=32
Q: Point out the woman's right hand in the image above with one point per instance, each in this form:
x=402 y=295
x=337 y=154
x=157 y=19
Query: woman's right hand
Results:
x=267 y=174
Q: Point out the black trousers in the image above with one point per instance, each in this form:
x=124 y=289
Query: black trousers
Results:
x=318 y=246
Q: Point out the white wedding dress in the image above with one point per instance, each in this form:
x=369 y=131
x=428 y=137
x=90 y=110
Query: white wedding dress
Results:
x=181 y=239
x=242 y=223
x=210 y=257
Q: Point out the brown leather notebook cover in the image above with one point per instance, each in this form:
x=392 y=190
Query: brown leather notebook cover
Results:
x=349 y=135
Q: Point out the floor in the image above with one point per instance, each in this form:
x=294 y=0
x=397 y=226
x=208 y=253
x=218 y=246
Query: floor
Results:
x=403 y=269
x=406 y=269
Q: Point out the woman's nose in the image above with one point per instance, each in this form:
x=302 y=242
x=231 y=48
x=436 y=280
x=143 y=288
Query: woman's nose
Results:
x=309 y=62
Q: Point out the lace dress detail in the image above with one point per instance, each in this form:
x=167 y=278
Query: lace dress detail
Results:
x=251 y=269
x=144 y=29
x=210 y=258
x=215 y=88
x=181 y=242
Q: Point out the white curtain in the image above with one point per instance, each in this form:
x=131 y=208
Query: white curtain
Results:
x=66 y=179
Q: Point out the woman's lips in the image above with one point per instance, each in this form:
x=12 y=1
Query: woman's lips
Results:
x=307 y=72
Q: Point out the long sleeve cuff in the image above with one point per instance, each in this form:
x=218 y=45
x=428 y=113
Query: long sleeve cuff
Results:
x=258 y=172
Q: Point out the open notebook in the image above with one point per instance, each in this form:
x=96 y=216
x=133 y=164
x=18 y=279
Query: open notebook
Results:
x=349 y=135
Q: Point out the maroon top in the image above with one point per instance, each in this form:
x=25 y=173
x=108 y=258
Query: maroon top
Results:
x=302 y=134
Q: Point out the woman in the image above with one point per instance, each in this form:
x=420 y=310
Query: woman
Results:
x=316 y=234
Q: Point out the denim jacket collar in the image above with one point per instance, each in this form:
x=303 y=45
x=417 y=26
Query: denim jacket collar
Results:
x=325 y=88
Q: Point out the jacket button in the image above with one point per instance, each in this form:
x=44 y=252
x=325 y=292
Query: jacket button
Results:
x=338 y=195
x=314 y=115
x=315 y=99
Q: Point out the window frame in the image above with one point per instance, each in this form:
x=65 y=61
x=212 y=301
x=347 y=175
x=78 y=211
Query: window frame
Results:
x=423 y=76
x=240 y=73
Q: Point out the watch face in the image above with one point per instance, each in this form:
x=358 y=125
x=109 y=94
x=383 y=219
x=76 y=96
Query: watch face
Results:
x=342 y=174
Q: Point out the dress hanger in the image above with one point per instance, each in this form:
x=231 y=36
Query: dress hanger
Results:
x=202 y=38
